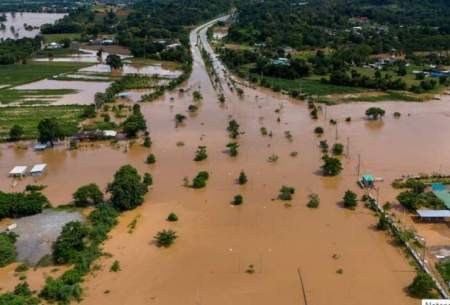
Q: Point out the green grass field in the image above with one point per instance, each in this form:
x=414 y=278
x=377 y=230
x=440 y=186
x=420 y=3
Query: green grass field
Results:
x=29 y=117
x=59 y=37
x=17 y=74
x=309 y=86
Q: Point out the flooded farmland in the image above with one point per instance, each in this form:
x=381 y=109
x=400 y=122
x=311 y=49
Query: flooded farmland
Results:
x=15 y=24
x=217 y=242
x=84 y=95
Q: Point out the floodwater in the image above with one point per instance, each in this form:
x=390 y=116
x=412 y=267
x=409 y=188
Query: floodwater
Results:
x=84 y=95
x=148 y=70
x=18 y=20
x=84 y=55
x=288 y=246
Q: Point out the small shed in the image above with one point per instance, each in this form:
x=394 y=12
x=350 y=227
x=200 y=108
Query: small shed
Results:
x=38 y=169
x=367 y=181
x=18 y=171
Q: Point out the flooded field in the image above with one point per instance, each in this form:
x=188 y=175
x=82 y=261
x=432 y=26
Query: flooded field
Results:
x=148 y=70
x=287 y=245
x=15 y=24
x=84 y=95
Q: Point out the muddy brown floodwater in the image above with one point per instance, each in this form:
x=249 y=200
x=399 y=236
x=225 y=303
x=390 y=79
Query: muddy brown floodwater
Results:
x=217 y=242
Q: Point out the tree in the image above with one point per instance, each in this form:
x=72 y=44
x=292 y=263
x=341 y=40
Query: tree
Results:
x=127 y=190
x=237 y=200
x=200 y=180
x=165 y=238
x=197 y=96
x=422 y=287
x=314 y=201
x=7 y=248
x=338 y=149
x=134 y=123
x=114 y=61
x=179 y=119
x=233 y=129
x=172 y=217
x=318 y=130
x=350 y=200
x=15 y=133
x=151 y=159
x=148 y=179
x=87 y=195
x=70 y=243
x=374 y=113
x=233 y=149
x=49 y=131
x=242 y=179
x=286 y=193
x=201 y=154
x=331 y=166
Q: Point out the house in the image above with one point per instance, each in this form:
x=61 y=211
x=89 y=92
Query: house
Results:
x=107 y=42
x=38 y=169
x=18 y=171
x=281 y=61
x=109 y=133
x=54 y=45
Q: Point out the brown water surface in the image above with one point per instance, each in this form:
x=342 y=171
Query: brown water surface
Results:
x=217 y=242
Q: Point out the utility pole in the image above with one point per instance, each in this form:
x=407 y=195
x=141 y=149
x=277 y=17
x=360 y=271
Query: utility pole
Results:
x=348 y=148
x=359 y=164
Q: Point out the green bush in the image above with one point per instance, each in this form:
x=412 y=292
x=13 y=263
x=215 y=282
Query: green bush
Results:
x=7 y=248
x=422 y=287
x=70 y=243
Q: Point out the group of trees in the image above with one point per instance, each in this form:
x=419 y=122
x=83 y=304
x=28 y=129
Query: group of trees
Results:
x=417 y=197
x=13 y=205
x=18 y=51
x=319 y=24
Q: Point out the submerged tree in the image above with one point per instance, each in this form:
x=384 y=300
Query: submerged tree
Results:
x=242 y=179
x=114 y=61
x=331 y=166
x=374 y=113
x=233 y=129
x=350 y=200
x=165 y=238
x=233 y=149
x=201 y=154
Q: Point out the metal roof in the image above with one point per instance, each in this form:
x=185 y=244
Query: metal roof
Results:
x=38 y=168
x=18 y=170
x=433 y=213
